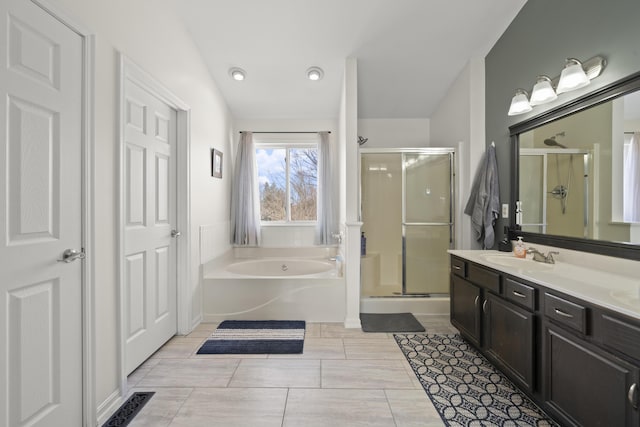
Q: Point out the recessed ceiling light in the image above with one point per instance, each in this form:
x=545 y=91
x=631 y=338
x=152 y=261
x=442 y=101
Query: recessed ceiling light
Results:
x=237 y=74
x=315 y=73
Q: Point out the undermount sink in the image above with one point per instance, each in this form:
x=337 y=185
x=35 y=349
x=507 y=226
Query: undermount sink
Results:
x=524 y=264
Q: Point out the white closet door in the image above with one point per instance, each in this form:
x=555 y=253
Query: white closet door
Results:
x=149 y=217
x=40 y=219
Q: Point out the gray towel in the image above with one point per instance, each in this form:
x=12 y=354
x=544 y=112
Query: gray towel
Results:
x=484 y=201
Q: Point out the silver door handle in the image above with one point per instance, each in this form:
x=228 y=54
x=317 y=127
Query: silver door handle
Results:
x=71 y=255
x=632 y=395
x=519 y=294
x=175 y=233
x=563 y=313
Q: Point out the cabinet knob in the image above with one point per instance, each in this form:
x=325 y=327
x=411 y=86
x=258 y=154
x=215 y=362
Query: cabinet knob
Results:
x=632 y=395
x=484 y=306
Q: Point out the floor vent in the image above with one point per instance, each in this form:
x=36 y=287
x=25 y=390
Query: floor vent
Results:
x=129 y=409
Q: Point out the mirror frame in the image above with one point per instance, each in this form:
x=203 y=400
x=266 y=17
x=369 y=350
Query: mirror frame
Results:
x=616 y=249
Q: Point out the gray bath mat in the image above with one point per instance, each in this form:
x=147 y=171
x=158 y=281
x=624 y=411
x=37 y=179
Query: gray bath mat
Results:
x=390 y=322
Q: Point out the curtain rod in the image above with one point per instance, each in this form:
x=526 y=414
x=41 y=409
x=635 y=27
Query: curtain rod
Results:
x=630 y=133
x=243 y=131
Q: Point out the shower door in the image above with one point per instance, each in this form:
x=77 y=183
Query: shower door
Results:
x=427 y=224
x=555 y=191
x=406 y=202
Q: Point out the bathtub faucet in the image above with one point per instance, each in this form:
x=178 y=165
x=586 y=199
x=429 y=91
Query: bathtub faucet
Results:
x=338 y=237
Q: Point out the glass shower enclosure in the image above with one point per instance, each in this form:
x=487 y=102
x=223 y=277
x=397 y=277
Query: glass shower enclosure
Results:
x=555 y=191
x=406 y=199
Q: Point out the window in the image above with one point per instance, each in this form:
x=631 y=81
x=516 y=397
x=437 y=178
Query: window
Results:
x=288 y=181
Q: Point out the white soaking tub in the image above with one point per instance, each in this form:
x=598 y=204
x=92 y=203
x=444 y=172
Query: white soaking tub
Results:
x=274 y=283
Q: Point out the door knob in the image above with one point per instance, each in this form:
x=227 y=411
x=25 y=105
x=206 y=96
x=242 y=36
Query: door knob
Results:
x=175 y=233
x=71 y=255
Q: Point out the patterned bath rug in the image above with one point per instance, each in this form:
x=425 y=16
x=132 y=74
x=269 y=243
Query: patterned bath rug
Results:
x=256 y=337
x=464 y=387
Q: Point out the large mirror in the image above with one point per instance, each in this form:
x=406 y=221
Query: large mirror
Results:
x=574 y=173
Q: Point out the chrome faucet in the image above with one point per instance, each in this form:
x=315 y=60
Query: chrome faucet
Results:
x=540 y=257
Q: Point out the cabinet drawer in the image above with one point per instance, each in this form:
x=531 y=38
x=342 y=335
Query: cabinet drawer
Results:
x=483 y=277
x=566 y=312
x=458 y=267
x=520 y=294
x=621 y=336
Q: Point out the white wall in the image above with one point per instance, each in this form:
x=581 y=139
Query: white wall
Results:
x=394 y=133
x=287 y=235
x=458 y=122
x=150 y=34
x=349 y=190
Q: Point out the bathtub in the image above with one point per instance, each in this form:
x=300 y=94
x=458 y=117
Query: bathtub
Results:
x=274 y=283
x=280 y=267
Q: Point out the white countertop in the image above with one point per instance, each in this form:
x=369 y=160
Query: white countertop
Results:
x=609 y=282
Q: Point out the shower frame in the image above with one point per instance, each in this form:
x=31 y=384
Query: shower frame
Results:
x=451 y=224
x=544 y=153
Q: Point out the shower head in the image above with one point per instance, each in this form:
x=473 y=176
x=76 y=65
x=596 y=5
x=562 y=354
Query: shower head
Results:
x=553 y=143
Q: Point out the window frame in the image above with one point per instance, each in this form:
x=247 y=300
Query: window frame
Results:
x=287 y=146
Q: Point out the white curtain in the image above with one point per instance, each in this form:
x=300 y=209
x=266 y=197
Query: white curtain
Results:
x=245 y=195
x=632 y=180
x=326 y=224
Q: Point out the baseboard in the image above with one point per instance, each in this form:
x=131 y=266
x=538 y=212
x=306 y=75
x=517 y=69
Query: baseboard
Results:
x=108 y=407
x=352 y=323
x=195 y=322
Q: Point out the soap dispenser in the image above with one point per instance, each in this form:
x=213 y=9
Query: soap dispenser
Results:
x=520 y=251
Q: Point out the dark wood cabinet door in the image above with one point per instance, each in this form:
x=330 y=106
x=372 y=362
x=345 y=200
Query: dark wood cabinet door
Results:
x=465 y=308
x=586 y=386
x=508 y=339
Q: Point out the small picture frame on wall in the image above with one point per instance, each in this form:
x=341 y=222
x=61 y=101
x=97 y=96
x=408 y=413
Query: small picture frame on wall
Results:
x=216 y=163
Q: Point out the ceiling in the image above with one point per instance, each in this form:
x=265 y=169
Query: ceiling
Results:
x=409 y=51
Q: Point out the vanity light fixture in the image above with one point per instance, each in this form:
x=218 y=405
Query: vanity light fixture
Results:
x=237 y=74
x=575 y=75
x=520 y=103
x=315 y=73
x=572 y=77
x=542 y=91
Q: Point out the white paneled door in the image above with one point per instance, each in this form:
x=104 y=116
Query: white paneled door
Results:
x=149 y=264
x=41 y=78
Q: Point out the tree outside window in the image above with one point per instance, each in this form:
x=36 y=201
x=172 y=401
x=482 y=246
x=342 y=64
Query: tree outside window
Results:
x=288 y=182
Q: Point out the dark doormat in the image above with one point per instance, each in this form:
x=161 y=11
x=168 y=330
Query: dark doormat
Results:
x=390 y=322
x=256 y=337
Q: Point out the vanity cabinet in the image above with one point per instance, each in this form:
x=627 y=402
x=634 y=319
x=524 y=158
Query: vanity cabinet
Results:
x=502 y=330
x=465 y=308
x=585 y=382
x=579 y=361
x=585 y=386
x=508 y=338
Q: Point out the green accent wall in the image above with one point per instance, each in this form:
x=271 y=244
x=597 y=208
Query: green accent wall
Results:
x=538 y=41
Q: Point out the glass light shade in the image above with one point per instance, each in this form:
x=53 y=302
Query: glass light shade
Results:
x=542 y=91
x=519 y=103
x=237 y=74
x=315 y=73
x=572 y=76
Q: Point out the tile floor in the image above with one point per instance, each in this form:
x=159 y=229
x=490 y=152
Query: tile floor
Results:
x=345 y=377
